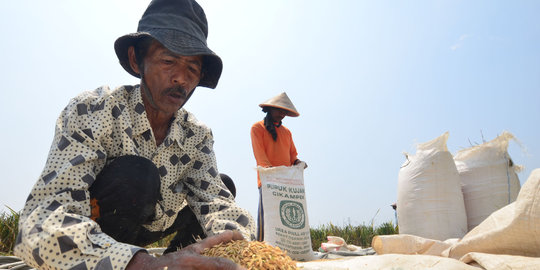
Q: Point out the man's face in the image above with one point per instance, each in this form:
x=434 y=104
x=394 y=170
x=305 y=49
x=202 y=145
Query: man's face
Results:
x=277 y=114
x=169 y=77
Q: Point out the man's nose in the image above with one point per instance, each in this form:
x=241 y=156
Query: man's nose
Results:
x=180 y=75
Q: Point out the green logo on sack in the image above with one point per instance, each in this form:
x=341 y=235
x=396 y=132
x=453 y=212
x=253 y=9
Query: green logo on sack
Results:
x=292 y=214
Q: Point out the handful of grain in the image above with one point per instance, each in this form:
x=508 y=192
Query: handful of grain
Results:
x=252 y=255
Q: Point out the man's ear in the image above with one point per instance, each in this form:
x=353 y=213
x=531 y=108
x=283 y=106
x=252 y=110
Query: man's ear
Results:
x=133 y=60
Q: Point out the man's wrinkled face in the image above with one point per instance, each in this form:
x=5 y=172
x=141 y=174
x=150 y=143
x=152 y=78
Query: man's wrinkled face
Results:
x=169 y=77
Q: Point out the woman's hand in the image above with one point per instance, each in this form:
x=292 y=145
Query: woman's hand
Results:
x=298 y=162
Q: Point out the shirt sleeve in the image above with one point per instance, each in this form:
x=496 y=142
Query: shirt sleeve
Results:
x=293 y=153
x=55 y=231
x=257 y=133
x=210 y=200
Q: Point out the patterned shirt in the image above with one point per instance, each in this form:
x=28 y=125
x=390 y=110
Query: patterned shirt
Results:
x=55 y=229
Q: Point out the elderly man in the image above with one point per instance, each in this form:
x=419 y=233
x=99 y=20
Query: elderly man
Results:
x=130 y=166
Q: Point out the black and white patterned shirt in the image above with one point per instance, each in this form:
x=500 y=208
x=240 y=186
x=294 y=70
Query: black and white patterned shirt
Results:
x=55 y=229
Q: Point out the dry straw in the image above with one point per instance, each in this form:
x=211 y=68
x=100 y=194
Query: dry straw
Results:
x=253 y=255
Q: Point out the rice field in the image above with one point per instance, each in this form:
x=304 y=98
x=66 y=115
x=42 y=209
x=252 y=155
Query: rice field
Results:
x=360 y=235
x=9 y=224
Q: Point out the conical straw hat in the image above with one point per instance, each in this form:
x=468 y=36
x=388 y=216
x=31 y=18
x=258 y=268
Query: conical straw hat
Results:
x=281 y=101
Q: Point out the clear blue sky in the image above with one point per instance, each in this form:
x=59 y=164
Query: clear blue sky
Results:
x=370 y=79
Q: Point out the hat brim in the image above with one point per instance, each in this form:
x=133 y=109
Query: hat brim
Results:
x=178 y=43
x=289 y=112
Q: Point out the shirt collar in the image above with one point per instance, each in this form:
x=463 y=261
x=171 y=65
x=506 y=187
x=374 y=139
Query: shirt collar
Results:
x=176 y=132
x=142 y=125
x=138 y=113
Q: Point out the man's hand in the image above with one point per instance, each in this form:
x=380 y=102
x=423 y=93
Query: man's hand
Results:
x=300 y=162
x=189 y=257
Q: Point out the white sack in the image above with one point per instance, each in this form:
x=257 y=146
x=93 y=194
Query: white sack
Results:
x=410 y=244
x=501 y=262
x=430 y=203
x=508 y=239
x=512 y=230
x=388 y=261
x=286 y=222
x=488 y=178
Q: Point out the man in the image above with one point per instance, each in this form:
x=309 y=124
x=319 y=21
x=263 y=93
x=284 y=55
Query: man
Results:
x=272 y=143
x=128 y=167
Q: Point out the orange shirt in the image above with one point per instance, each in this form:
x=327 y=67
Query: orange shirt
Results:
x=269 y=152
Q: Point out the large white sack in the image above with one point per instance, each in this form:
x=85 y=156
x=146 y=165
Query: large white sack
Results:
x=430 y=203
x=511 y=230
x=488 y=178
x=508 y=239
x=286 y=223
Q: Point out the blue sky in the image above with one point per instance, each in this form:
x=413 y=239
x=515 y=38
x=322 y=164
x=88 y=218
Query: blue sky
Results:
x=369 y=78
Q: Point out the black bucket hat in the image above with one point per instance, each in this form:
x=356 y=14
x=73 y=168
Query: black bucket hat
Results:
x=181 y=26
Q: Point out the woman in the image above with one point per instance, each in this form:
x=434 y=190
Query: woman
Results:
x=272 y=143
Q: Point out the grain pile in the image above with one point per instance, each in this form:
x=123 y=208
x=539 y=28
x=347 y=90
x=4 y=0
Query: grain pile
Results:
x=253 y=255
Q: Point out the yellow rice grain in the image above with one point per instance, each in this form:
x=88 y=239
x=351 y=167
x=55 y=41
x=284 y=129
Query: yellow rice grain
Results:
x=253 y=255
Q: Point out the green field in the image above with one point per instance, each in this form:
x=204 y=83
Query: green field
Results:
x=9 y=224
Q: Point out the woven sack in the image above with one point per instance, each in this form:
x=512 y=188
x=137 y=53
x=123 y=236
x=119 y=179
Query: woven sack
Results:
x=286 y=223
x=488 y=178
x=430 y=203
